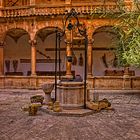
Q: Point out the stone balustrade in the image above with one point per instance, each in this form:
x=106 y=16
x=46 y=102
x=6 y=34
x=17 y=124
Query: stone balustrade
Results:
x=98 y=82
x=58 y=10
x=16 y=12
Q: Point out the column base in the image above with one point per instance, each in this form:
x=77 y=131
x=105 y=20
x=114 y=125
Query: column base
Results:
x=127 y=83
x=1 y=74
x=126 y=76
x=67 y=76
x=90 y=75
x=33 y=74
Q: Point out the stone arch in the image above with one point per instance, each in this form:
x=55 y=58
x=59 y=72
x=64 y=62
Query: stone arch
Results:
x=109 y=31
x=17 y=49
x=2 y=38
x=2 y=34
x=50 y=24
x=106 y=40
x=44 y=32
x=15 y=33
x=45 y=48
x=107 y=28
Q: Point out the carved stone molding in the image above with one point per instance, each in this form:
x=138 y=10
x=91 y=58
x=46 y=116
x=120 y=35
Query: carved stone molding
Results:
x=90 y=41
x=16 y=33
x=84 y=8
x=45 y=32
x=2 y=44
x=68 y=41
x=32 y=43
x=1 y=3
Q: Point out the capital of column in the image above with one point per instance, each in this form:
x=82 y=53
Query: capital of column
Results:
x=67 y=41
x=90 y=41
x=32 y=42
x=32 y=2
x=67 y=1
x=2 y=44
x=90 y=31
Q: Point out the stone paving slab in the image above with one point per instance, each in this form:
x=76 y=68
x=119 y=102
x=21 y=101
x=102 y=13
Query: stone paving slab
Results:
x=72 y=113
x=121 y=124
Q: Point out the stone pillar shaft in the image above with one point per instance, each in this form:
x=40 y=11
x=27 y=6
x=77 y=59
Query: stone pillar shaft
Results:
x=32 y=2
x=90 y=61
x=67 y=1
x=1 y=3
x=90 y=58
x=1 y=6
x=68 y=64
x=33 y=58
x=90 y=31
x=1 y=59
x=68 y=53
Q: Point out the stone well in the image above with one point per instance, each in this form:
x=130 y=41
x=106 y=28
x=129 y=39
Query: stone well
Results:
x=70 y=95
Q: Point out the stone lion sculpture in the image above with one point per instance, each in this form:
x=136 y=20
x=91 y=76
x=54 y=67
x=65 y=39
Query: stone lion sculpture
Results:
x=97 y=106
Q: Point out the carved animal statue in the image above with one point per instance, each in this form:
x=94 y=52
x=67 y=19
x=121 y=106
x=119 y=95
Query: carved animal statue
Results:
x=50 y=105
x=97 y=106
x=92 y=105
x=32 y=108
x=37 y=99
x=104 y=104
x=56 y=107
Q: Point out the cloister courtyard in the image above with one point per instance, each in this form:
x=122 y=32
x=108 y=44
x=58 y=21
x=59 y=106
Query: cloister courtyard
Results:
x=122 y=123
x=81 y=56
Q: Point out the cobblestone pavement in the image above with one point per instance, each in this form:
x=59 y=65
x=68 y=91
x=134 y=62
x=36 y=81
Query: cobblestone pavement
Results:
x=121 y=124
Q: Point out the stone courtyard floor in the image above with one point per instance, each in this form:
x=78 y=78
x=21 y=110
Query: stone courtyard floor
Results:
x=121 y=124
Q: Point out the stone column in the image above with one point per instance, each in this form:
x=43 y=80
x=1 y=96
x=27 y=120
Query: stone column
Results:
x=1 y=3
x=33 y=57
x=68 y=53
x=90 y=53
x=90 y=58
x=127 y=81
x=67 y=1
x=1 y=6
x=68 y=64
x=1 y=58
x=32 y=2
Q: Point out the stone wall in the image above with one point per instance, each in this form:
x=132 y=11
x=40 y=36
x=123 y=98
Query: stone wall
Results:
x=105 y=82
x=102 y=43
x=23 y=82
x=115 y=82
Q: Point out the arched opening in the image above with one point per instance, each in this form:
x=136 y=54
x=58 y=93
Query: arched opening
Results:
x=45 y=48
x=104 y=56
x=17 y=52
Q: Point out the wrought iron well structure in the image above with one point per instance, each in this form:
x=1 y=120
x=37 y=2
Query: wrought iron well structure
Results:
x=82 y=31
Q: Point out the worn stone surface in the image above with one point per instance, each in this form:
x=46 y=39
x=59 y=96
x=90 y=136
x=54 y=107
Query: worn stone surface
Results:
x=71 y=94
x=121 y=124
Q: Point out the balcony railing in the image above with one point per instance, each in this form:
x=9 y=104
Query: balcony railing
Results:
x=58 y=10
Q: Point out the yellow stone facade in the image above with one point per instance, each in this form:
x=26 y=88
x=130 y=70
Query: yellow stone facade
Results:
x=27 y=24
